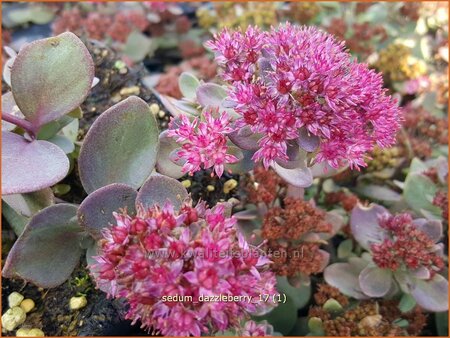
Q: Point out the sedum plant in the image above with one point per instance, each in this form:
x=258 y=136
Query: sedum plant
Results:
x=403 y=257
x=293 y=97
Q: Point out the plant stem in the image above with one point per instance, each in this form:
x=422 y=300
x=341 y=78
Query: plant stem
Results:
x=24 y=124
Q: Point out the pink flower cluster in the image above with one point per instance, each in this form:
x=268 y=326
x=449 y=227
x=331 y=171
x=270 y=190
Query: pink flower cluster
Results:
x=195 y=251
x=292 y=77
x=204 y=142
x=405 y=244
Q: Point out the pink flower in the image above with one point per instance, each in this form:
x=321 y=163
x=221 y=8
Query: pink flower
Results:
x=203 y=142
x=405 y=245
x=299 y=77
x=186 y=254
x=253 y=329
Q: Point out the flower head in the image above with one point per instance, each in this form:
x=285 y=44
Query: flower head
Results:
x=299 y=77
x=405 y=245
x=162 y=253
x=204 y=143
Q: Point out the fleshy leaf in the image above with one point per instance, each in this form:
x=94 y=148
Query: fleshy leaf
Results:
x=299 y=295
x=308 y=141
x=30 y=203
x=407 y=303
x=51 y=77
x=188 y=84
x=432 y=295
x=48 y=249
x=164 y=165
x=158 y=189
x=364 y=224
x=244 y=163
x=283 y=317
x=344 y=276
x=419 y=192
x=120 y=147
x=432 y=228
x=96 y=211
x=378 y=192
x=296 y=158
x=9 y=106
x=210 y=94
x=375 y=282
x=244 y=138
x=30 y=166
x=299 y=177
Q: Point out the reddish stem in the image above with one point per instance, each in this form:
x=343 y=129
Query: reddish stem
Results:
x=24 y=124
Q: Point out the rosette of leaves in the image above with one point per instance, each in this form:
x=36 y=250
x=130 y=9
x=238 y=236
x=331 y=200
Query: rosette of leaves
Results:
x=362 y=278
x=243 y=143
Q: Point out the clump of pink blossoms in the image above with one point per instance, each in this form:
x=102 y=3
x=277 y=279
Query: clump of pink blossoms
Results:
x=204 y=142
x=192 y=252
x=295 y=77
x=405 y=244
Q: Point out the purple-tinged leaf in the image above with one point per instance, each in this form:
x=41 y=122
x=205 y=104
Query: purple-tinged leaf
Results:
x=96 y=211
x=30 y=203
x=244 y=163
x=120 y=147
x=364 y=224
x=48 y=249
x=432 y=295
x=245 y=139
x=432 y=228
x=159 y=189
x=375 y=282
x=308 y=141
x=51 y=77
x=9 y=106
x=210 y=94
x=323 y=169
x=300 y=177
x=164 y=165
x=30 y=166
x=170 y=104
x=344 y=276
x=296 y=157
x=421 y=273
x=380 y=193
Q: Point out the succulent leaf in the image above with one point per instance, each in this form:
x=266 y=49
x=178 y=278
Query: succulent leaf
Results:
x=30 y=166
x=51 y=77
x=158 y=189
x=48 y=250
x=96 y=211
x=120 y=147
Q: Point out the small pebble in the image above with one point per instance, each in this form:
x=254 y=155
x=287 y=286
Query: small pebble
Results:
x=186 y=183
x=161 y=113
x=154 y=108
x=29 y=333
x=210 y=188
x=27 y=305
x=13 y=318
x=370 y=321
x=77 y=303
x=229 y=185
x=14 y=299
x=134 y=90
